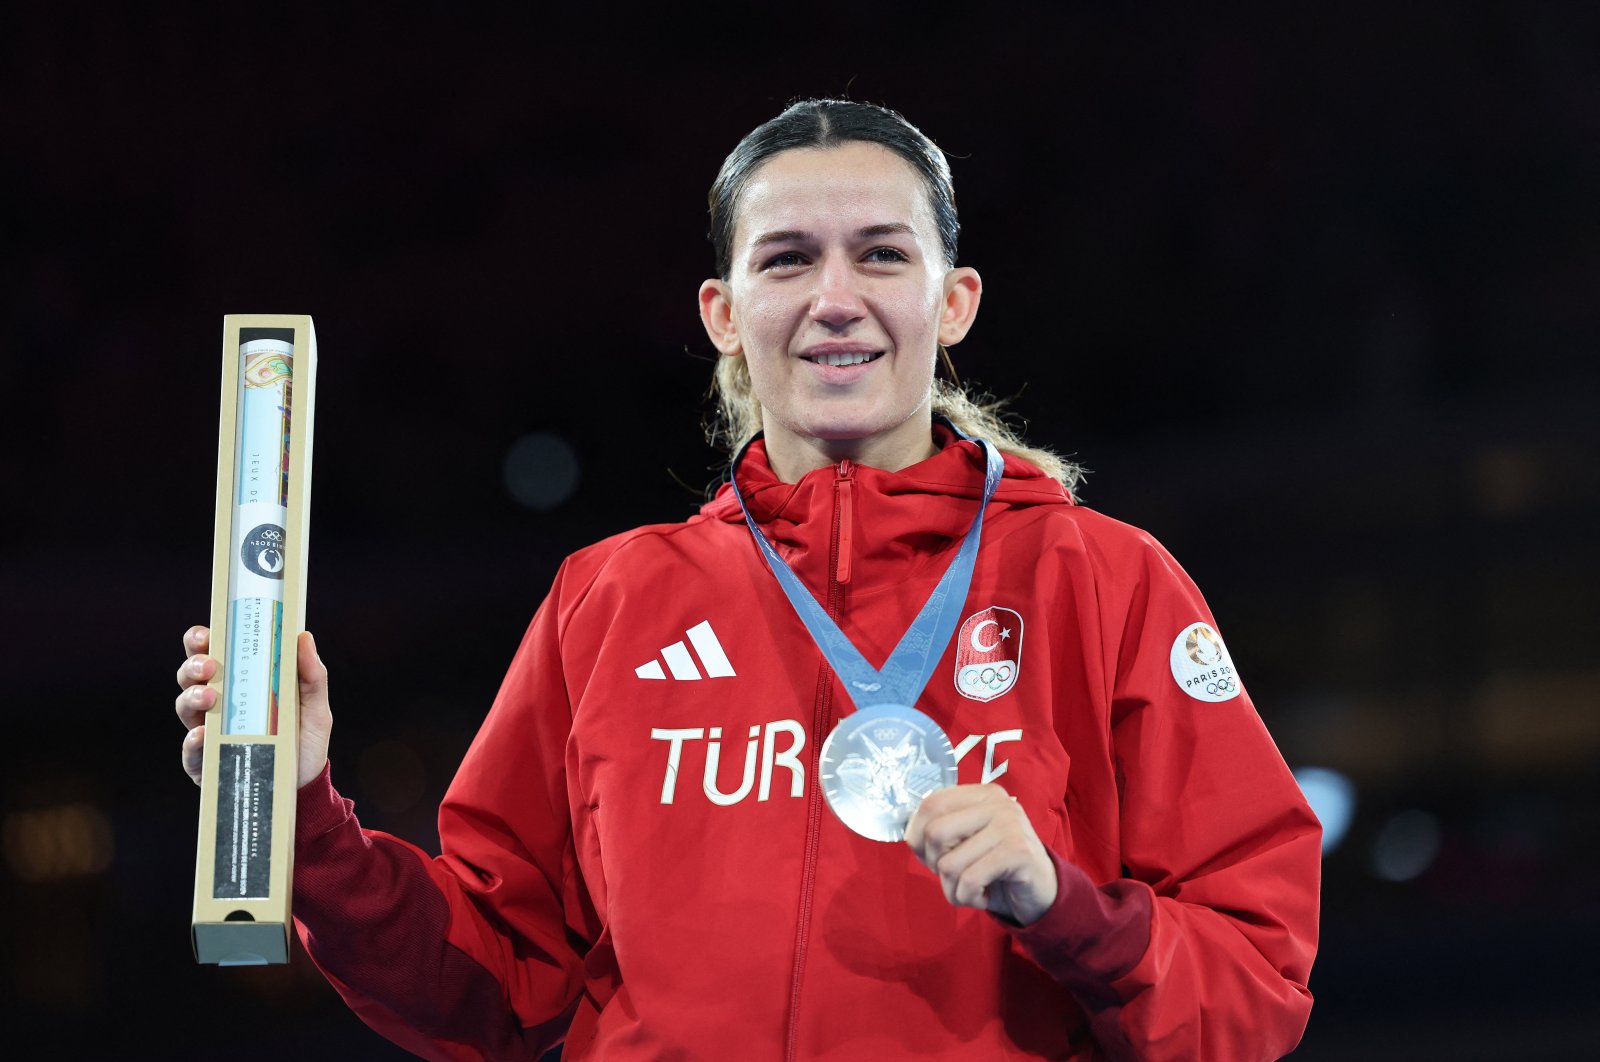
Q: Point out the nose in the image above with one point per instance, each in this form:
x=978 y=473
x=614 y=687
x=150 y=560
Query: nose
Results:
x=836 y=299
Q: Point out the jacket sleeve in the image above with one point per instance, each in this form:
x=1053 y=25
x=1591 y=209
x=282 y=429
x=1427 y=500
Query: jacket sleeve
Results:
x=471 y=954
x=1202 y=950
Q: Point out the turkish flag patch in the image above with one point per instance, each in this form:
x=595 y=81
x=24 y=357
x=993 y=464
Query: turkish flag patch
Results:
x=988 y=653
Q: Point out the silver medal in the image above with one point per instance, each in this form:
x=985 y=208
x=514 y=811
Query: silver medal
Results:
x=879 y=763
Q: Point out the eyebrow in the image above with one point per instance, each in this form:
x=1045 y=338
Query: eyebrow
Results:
x=891 y=228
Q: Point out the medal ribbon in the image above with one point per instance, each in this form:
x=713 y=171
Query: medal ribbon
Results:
x=910 y=666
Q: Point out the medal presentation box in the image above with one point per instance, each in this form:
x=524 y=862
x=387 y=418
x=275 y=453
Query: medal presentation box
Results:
x=245 y=857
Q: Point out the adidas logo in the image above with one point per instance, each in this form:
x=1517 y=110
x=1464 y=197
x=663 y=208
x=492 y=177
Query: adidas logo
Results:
x=681 y=663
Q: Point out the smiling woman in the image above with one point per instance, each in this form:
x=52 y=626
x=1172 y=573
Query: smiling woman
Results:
x=857 y=145
x=837 y=298
x=892 y=750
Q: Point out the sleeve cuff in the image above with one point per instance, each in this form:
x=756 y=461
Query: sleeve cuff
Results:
x=319 y=809
x=1092 y=935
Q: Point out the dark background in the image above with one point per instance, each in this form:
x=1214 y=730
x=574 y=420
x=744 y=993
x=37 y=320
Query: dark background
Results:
x=1314 y=296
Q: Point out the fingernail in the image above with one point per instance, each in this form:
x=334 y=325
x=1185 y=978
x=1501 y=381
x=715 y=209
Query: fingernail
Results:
x=197 y=666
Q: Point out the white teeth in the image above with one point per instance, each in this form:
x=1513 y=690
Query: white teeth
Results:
x=841 y=359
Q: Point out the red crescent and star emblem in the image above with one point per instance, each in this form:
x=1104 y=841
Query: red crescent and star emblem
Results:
x=988 y=653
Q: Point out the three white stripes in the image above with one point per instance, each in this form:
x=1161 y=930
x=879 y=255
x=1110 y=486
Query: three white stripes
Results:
x=681 y=663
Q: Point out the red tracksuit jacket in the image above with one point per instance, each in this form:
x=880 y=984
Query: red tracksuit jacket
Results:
x=637 y=856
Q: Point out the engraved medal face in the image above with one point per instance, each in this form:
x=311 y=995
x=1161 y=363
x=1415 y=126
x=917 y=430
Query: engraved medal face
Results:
x=879 y=763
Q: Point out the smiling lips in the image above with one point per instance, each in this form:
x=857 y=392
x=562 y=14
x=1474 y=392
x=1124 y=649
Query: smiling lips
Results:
x=853 y=357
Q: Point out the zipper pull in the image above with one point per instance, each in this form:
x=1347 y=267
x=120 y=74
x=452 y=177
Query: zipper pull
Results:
x=846 y=520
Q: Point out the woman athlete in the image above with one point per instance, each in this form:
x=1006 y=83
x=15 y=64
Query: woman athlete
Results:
x=640 y=851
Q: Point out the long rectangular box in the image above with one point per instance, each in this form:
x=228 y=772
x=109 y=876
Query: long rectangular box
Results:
x=244 y=866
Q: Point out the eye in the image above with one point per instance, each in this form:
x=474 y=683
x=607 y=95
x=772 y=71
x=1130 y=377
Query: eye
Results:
x=785 y=260
x=885 y=255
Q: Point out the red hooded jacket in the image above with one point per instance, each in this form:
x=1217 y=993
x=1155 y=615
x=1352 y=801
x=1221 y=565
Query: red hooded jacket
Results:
x=637 y=856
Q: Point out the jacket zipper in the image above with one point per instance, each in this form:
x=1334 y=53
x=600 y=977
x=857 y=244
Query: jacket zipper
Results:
x=843 y=524
x=839 y=551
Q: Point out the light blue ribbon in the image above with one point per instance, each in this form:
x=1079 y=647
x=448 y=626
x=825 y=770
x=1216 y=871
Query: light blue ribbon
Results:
x=911 y=665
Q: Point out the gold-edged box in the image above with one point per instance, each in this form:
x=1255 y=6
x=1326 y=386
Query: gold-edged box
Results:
x=244 y=866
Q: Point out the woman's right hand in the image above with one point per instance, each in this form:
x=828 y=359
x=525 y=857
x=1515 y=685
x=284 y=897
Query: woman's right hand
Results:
x=316 y=719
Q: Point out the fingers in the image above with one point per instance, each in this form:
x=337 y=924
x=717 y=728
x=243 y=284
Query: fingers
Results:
x=1008 y=879
x=193 y=704
x=196 y=698
x=968 y=869
x=195 y=670
x=943 y=833
x=955 y=841
x=939 y=803
x=980 y=843
x=194 y=752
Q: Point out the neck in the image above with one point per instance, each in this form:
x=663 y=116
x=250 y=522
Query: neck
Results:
x=791 y=456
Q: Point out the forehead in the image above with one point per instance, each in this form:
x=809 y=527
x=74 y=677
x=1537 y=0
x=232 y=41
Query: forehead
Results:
x=851 y=186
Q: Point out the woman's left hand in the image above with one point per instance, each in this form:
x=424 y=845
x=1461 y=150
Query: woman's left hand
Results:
x=981 y=844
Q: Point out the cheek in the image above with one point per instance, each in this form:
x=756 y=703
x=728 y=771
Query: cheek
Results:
x=917 y=342
x=917 y=312
x=761 y=323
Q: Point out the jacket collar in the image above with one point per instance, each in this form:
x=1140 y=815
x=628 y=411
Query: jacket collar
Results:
x=895 y=519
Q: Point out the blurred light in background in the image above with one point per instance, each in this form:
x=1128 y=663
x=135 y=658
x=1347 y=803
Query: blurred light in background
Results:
x=1406 y=846
x=541 y=471
x=66 y=841
x=1509 y=481
x=1332 y=797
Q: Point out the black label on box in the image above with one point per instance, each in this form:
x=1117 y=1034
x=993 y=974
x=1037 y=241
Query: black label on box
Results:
x=243 y=869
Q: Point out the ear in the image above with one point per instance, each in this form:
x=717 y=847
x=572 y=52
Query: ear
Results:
x=716 y=313
x=963 y=289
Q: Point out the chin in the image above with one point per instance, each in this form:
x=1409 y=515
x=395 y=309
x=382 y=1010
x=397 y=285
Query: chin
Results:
x=859 y=423
x=846 y=432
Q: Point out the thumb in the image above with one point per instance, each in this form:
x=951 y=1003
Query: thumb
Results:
x=316 y=718
x=313 y=678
